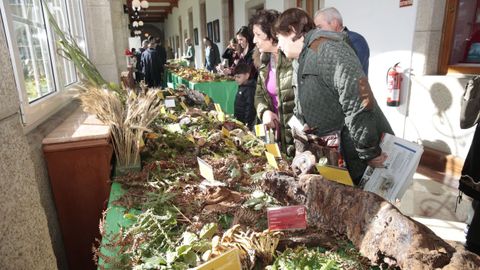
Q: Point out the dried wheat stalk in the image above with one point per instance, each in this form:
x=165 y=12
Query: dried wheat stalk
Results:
x=127 y=120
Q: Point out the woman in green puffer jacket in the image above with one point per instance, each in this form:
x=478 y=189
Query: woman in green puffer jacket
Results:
x=333 y=92
x=274 y=97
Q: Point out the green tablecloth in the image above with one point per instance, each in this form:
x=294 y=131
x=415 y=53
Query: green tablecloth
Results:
x=114 y=219
x=222 y=93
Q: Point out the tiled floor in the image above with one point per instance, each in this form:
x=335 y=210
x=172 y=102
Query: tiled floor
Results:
x=431 y=200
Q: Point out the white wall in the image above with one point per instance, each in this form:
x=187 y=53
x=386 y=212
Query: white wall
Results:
x=430 y=108
x=214 y=10
x=241 y=6
x=375 y=20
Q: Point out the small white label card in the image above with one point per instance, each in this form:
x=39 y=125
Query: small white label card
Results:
x=206 y=170
x=170 y=102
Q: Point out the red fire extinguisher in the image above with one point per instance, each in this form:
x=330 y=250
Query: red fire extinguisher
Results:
x=394 y=84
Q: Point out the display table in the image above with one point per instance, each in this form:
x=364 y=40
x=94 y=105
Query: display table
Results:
x=78 y=154
x=113 y=221
x=223 y=92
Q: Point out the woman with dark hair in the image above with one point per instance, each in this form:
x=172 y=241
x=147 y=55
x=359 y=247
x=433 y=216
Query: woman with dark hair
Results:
x=274 y=98
x=231 y=52
x=245 y=42
x=212 y=55
x=333 y=95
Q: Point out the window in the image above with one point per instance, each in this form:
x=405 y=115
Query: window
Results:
x=41 y=74
x=460 y=52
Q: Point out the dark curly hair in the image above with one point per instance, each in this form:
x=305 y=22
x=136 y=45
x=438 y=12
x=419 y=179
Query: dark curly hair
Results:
x=266 y=20
x=294 y=19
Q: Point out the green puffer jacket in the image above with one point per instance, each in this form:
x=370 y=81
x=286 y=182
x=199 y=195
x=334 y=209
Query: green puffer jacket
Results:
x=263 y=102
x=334 y=95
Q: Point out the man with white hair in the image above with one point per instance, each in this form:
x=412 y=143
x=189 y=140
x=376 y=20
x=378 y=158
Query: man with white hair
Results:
x=330 y=19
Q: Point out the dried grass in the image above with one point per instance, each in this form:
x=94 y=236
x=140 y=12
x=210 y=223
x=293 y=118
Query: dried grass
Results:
x=127 y=120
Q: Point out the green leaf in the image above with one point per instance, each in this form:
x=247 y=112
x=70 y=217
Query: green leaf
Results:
x=190 y=258
x=183 y=249
x=208 y=231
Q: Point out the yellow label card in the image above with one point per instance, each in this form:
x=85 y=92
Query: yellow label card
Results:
x=218 y=108
x=207 y=100
x=271 y=160
x=162 y=110
x=190 y=138
x=227 y=261
x=225 y=132
x=273 y=149
x=260 y=130
x=184 y=106
x=336 y=174
x=206 y=170
x=221 y=116
x=160 y=95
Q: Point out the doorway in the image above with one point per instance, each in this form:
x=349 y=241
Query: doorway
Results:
x=180 y=31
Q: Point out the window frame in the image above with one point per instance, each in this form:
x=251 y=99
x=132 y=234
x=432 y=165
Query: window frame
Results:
x=36 y=111
x=450 y=17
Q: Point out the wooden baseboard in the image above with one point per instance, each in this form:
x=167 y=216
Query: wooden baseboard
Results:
x=441 y=162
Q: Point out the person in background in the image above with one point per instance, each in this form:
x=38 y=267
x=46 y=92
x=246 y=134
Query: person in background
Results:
x=137 y=56
x=151 y=65
x=212 y=55
x=189 y=53
x=162 y=57
x=274 y=98
x=330 y=19
x=244 y=110
x=230 y=53
x=333 y=92
x=245 y=42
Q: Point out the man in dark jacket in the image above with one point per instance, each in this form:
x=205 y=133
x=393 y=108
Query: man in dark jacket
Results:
x=244 y=108
x=151 y=66
x=330 y=19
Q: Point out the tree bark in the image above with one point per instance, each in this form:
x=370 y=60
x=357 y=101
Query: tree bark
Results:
x=376 y=227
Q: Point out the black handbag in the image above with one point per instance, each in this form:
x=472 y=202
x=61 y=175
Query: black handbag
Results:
x=470 y=106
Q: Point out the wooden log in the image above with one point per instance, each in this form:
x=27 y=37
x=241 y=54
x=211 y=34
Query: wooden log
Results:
x=376 y=227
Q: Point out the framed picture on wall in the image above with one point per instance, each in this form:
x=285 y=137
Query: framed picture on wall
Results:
x=195 y=35
x=210 y=30
x=216 y=31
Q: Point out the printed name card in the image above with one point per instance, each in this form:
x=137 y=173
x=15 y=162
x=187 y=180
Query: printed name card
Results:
x=260 y=130
x=170 y=102
x=294 y=123
x=273 y=149
x=287 y=218
x=206 y=170
x=227 y=261
x=170 y=85
x=336 y=174
x=271 y=160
